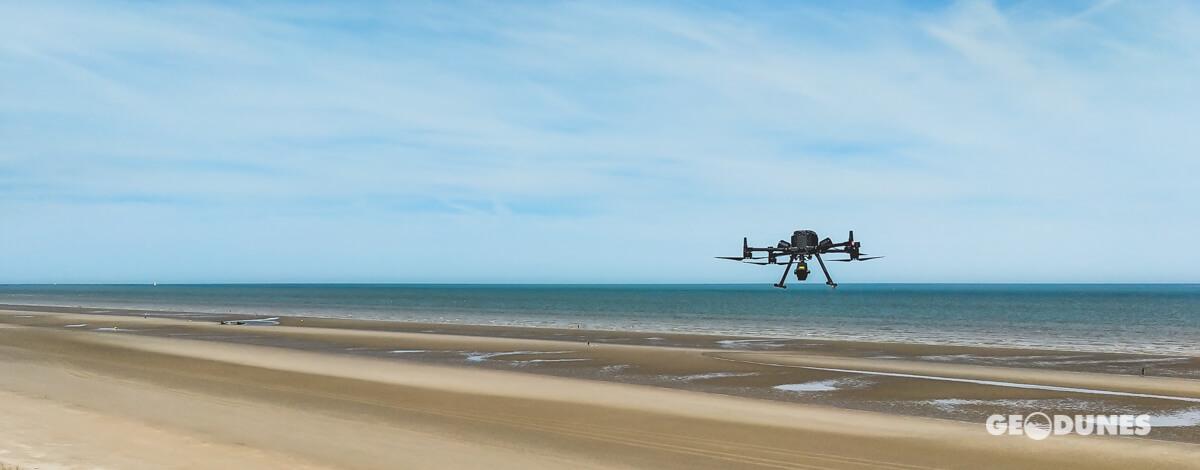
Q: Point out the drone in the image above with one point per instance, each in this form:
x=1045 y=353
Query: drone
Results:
x=803 y=247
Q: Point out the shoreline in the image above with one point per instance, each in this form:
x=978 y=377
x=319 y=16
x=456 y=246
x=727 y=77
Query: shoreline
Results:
x=586 y=391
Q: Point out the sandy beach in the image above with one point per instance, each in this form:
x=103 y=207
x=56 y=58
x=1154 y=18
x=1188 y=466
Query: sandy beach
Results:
x=82 y=390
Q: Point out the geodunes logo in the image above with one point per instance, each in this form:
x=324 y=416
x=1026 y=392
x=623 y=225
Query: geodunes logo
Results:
x=1038 y=425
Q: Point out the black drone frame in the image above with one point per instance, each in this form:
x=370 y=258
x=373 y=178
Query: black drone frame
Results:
x=803 y=247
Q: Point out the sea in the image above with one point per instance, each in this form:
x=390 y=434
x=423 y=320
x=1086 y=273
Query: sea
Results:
x=1119 y=318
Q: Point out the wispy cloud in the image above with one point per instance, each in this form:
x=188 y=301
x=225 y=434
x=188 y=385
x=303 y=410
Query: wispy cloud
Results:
x=651 y=135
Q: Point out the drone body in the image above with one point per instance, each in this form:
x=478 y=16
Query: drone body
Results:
x=803 y=247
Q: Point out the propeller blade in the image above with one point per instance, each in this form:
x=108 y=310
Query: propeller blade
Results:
x=856 y=259
x=760 y=263
x=738 y=258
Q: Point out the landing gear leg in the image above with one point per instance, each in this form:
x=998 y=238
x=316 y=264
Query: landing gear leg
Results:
x=828 y=280
x=785 y=273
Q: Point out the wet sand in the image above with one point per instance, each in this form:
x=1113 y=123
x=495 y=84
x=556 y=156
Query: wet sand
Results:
x=159 y=390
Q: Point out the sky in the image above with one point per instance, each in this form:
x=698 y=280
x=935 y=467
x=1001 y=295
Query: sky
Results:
x=596 y=142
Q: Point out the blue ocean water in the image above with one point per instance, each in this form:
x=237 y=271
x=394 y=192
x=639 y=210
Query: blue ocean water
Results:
x=1143 y=318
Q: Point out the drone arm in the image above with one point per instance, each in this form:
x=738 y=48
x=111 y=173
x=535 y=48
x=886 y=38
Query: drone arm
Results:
x=835 y=247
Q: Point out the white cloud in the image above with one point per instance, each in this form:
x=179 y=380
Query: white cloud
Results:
x=366 y=133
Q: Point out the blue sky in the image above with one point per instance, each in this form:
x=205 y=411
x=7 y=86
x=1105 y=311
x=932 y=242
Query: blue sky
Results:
x=603 y=142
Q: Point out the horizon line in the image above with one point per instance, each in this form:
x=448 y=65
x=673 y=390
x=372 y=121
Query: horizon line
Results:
x=307 y=283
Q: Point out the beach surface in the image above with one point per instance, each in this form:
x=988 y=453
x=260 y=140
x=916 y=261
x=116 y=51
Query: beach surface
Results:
x=120 y=390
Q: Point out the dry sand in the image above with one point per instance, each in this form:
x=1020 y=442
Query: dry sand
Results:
x=132 y=392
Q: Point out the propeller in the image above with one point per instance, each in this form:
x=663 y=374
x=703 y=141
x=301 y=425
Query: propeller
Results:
x=738 y=258
x=746 y=253
x=857 y=259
